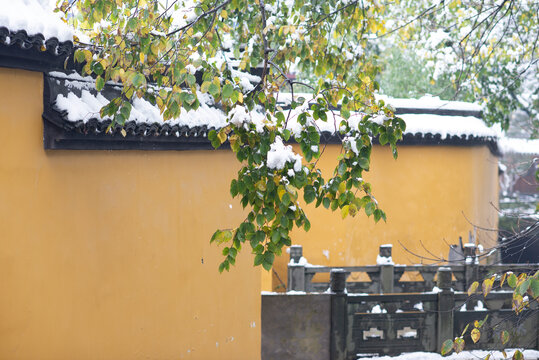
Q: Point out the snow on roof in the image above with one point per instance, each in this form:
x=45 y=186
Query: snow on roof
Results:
x=83 y=103
x=87 y=106
x=429 y=102
x=35 y=17
x=448 y=126
x=518 y=146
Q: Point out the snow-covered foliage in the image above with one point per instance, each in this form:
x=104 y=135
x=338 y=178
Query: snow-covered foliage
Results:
x=484 y=52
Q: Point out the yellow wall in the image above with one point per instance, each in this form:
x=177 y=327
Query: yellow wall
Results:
x=428 y=194
x=106 y=254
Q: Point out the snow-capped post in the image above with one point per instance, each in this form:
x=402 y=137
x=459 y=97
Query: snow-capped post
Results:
x=296 y=252
x=446 y=303
x=337 y=280
x=387 y=275
x=471 y=269
x=296 y=269
x=338 y=349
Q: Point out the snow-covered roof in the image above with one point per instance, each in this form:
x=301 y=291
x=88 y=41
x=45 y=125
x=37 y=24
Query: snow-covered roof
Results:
x=518 y=146
x=429 y=102
x=32 y=36
x=448 y=125
x=34 y=17
x=75 y=102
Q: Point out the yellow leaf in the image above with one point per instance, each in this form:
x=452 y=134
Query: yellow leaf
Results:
x=221 y=136
x=473 y=288
x=87 y=55
x=224 y=14
x=281 y=191
x=487 y=286
x=504 y=336
x=476 y=335
x=345 y=210
x=124 y=133
x=141 y=58
x=240 y=98
x=159 y=102
x=503 y=279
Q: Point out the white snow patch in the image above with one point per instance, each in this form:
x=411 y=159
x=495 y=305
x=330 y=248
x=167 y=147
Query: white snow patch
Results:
x=429 y=102
x=377 y=309
x=87 y=106
x=383 y=260
x=448 y=126
x=518 y=146
x=34 y=16
x=464 y=355
x=280 y=154
x=294 y=292
x=302 y=261
x=480 y=306
x=326 y=253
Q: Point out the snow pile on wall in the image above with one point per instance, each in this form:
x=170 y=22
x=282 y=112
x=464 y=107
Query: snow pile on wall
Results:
x=464 y=355
x=87 y=105
x=518 y=146
x=35 y=17
x=448 y=126
x=429 y=102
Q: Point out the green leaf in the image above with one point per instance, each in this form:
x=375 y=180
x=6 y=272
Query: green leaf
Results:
x=269 y=213
x=534 y=286
x=275 y=236
x=227 y=91
x=447 y=346
x=79 y=56
x=518 y=355
x=369 y=208
x=214 y=90
x=307 y=225
x=504 y=337
x=99 y=83
x=364 y=163
x=326 y=202
x=377 y=215
x=260 y=219
x=523 y=288
x=258 y=259
x=286 y=134
x=139 y=80
x=512 y=280
x=309 y=194
x=221 y=236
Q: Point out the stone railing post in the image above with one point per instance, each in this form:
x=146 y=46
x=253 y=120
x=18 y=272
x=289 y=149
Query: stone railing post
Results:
x=387 y=274
x=446 y=305
x=470 y=263
x=296 y=270
x=339 y=316
x=471 y=270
